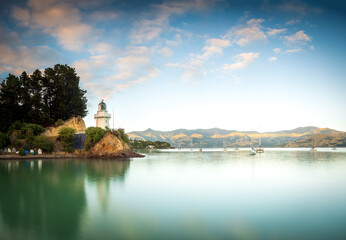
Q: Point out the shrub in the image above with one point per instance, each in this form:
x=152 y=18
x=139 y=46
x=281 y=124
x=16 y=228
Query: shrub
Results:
x=17 y=125
x=59 y=122
x=66 y=135
x=44 y=143
x=22 y=152
x=29 y=136
x=25 y=130
x=35 y=128
x=26 y=147
x=95 y=134
x=15 y=139
x=4 y=140
x=120 y=133
x=123 y=136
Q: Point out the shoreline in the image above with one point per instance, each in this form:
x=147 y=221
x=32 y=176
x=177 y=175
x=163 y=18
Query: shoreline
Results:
x=43 y=156
x=67 y=156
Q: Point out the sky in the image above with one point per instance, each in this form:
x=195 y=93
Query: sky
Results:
x=260 y=65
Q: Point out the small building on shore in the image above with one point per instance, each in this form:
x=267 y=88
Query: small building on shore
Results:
x=102 y=116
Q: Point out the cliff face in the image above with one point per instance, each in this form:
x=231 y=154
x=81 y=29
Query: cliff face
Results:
x=111 y=146
x=75 y=123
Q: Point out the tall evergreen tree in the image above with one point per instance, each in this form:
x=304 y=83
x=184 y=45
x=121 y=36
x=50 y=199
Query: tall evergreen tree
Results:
x=38 y=113
x=10 y=101
x=65 y=98
x=41 y=99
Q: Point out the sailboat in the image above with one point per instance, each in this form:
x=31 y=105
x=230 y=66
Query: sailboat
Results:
x=260 y=149
x=191 y=144
x=224 y=148
x=313 y=149
x=253 y=150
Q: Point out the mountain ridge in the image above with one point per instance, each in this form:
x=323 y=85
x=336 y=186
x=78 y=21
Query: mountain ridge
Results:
x=217 y=137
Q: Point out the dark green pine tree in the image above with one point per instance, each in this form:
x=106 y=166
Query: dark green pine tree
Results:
x=10 y=109
x=24 y=97
x=41 y=99
x=38 y=113
x=62 y=95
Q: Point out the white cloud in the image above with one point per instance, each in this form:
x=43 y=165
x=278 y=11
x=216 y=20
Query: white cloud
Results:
x=16 y=57
x=298 y=38
x=214 y=46
x=173 y=43
x=103 y=48
x=59 y=19
x=244 y=35
x=293 y=21
x=274 y=32
x=133 y=67
x=192 y=70
x=241 y=61
x=272 y=59
x=277 y=50
x=293 y=50
x=151 y=25
x=165 y=51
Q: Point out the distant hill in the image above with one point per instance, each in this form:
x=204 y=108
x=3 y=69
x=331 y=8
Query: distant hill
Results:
x=216 y=137
x=321 y=140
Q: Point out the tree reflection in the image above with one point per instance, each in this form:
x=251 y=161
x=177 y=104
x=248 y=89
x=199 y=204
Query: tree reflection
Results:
x=46 y=199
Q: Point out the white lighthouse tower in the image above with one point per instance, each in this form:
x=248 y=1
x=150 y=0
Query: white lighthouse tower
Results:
x=102 y=116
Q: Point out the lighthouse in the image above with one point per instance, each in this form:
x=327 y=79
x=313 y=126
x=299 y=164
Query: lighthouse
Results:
x=102 y=116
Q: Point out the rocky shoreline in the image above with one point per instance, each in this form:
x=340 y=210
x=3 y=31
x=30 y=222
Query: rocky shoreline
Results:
x=82 y=155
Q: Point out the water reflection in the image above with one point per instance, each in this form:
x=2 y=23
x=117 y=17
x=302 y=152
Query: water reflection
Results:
x=47 y=199
x=102 y=173
x=176 y=195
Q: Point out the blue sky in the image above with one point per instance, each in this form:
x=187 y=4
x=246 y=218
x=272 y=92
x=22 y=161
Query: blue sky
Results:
x=245 y=65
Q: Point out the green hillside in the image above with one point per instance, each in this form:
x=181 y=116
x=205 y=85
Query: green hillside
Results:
x=216 y=137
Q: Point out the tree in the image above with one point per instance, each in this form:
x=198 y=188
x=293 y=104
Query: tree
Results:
x=41 y=98
x=44 y=143
x=62 y=95
x=66 y=135
x=4 y=140
x=10 y=110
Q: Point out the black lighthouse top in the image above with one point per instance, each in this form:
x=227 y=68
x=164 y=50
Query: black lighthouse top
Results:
x=102 y=106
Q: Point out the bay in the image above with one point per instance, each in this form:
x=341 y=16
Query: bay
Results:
x=172 y=194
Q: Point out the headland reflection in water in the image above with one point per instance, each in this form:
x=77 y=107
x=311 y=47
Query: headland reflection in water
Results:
x=281 y=194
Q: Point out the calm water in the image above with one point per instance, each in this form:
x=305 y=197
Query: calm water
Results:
x=281 y=194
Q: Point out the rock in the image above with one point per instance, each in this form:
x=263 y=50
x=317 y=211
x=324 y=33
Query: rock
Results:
x=111 y=146
x=76 y=123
